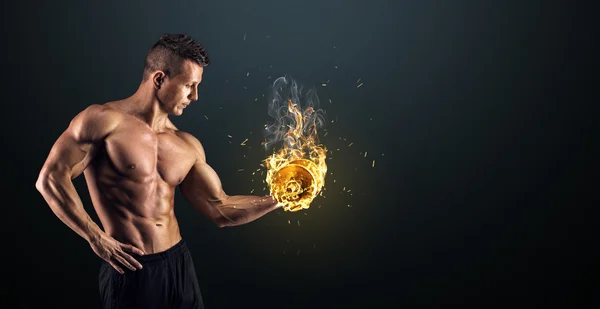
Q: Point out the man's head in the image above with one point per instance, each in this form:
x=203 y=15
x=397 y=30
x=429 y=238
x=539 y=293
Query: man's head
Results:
x=174 y=67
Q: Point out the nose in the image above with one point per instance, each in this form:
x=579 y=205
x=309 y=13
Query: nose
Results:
x=194 y=94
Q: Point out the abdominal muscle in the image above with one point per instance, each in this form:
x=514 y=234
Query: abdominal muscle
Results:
x=145 y=233
x=136 y=213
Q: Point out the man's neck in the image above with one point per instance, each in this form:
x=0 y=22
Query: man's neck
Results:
x=145 y=106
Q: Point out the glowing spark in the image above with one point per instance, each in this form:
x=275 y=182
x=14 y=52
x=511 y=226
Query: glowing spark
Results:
x=244 y=142
x=205 y=117
x=365 y=154
x=244 y=36
x=350 y=144
x=359 y=85
x=373 y=165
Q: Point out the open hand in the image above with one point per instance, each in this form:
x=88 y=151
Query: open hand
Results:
x=117 y=254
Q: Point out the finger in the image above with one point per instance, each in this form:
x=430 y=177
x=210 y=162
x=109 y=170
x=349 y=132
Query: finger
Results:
x=117 y=268
x=123 y=261
x=132 y=249
x=132 y=260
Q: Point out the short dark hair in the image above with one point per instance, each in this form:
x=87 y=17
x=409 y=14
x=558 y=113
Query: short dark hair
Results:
x=169 y=53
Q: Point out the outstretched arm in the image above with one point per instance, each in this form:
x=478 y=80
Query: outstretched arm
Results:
x=202 y=188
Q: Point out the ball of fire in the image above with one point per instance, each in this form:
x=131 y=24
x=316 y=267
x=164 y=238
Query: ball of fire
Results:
x=296 y=173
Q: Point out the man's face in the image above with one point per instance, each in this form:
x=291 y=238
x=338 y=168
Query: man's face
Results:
x=177 y=92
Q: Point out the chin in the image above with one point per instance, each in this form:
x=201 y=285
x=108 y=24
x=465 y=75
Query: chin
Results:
x=177 y=111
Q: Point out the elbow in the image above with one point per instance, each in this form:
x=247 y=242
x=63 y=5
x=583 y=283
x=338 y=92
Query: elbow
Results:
x=218 y=216
x=221 y=221
x=45 y=179
x=41 y=182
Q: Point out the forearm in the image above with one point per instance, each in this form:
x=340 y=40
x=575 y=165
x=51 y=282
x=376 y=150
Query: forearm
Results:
x=60 y=194
x=241 y=209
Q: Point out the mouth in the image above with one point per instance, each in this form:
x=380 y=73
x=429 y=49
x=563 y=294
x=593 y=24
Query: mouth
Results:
x=185 y=105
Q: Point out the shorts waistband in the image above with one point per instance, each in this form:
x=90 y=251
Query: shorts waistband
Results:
x=175 y=250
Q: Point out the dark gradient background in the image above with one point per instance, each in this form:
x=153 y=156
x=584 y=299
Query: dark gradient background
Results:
x=475 y=115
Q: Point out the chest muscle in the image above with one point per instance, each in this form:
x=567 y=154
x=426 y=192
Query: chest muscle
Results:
x=144 y=156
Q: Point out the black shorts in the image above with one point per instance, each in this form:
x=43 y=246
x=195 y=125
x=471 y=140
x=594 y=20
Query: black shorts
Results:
x=167 y=280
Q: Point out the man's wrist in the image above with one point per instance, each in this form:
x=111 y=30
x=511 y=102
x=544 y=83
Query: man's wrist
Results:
x=93 y=232
x=274 y=201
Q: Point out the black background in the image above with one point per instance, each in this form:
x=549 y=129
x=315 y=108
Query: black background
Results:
x=477 y=116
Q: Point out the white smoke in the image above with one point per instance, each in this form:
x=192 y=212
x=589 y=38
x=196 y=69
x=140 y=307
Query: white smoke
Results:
x=285 y=88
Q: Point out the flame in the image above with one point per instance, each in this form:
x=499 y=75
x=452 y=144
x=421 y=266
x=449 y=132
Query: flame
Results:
x=296 y=173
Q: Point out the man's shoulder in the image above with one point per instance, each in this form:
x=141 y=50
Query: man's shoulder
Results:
x=104 y=112
x=95 y=120
x=192 y=141
x=188 y=138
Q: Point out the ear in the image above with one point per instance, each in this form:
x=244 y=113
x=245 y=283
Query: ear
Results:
x=158 y=79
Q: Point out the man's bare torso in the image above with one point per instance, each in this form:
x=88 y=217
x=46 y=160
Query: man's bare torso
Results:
x=132 y=178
